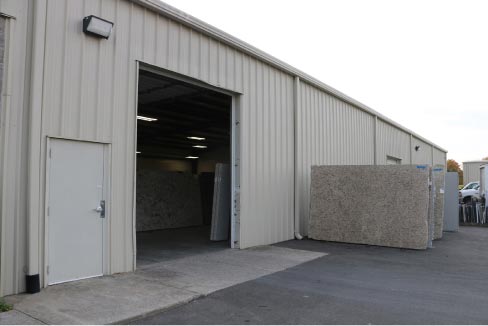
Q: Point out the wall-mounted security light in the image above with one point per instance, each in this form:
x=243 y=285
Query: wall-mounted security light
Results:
x=138 y=152
x=195 y=138
x=200 y=146
x=96 y=26
x=417 y=148
x=143 y=118
x=192 y=157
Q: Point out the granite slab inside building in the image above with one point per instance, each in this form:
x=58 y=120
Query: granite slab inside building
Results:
x=375 y=205
x=167 y=200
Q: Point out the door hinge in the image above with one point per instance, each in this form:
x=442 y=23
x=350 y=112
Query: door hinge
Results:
x=50 y=153
x=48 y=210
x=47 y=269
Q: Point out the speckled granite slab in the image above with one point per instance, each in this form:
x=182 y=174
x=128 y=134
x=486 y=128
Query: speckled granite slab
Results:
x=439 y=181
x=167 y=200
x=375 y=205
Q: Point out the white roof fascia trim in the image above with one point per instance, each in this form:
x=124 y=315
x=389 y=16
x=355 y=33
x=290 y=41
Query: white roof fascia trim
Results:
x=197 y=24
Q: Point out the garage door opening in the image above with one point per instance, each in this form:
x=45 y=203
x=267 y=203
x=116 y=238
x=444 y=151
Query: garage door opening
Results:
x=183 y=181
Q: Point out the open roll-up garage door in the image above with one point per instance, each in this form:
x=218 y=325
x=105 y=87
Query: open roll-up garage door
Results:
x=183 y=188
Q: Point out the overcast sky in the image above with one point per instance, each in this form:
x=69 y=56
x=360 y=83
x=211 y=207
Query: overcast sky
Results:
x=423 y=63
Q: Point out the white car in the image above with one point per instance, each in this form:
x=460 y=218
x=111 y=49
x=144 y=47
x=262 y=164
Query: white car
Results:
x=470 y=192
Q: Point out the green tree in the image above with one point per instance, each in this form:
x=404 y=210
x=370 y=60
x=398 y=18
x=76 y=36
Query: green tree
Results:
x=453 y=166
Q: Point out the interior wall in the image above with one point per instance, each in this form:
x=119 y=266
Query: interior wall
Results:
x=164 y=165
x=208 y=160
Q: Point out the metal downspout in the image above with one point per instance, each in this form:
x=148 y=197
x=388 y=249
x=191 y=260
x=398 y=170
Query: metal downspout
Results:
x=296 y=102
x=34 y=233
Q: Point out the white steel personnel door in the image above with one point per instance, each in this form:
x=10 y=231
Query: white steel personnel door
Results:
x=76 y=210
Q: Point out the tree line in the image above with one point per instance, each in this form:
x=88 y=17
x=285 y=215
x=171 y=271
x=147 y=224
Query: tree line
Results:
x=453 y=166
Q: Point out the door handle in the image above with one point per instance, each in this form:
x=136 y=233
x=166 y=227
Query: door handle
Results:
x=101 y=209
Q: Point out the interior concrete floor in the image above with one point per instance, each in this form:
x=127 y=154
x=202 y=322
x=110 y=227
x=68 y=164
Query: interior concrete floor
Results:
x=358 y=284
x=169 y=244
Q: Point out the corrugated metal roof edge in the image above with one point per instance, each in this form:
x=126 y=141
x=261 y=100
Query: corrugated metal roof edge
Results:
x=481 y=161
x=197 y=24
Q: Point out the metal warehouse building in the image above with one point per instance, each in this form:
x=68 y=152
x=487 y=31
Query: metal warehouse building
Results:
x=69 y=134
x=471 y=171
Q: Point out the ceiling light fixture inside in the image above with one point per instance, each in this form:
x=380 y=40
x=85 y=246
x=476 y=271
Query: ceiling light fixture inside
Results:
x=195 y=138
x=199 y=146
x=143 y=118
x=192 y=157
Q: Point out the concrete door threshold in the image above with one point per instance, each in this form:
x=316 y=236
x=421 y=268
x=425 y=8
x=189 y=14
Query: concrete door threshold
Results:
x=123 y=297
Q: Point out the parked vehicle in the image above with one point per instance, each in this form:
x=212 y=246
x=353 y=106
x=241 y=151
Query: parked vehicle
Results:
x=483 y=191
x=470 y=192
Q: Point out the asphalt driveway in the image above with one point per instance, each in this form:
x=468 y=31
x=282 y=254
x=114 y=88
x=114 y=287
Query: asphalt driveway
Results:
x=358 y=284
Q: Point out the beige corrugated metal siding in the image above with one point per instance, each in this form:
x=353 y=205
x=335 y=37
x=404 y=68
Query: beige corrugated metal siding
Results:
x=329 y=132
x=424 y=154
x=392 y=142
x=471 y=171
x=266 y=155
x=81 y=102
x=13 y=134
x=439 y=157
x=85 y=89
x=2 y=51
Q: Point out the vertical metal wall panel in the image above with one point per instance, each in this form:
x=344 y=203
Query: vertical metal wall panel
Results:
x=439 y=157
x=90 y=94
x=13 y=135
x=392 y=142
x=266 y=155
x=329 y=132
x=2 y=143
x=471 y=171
x=424 y=154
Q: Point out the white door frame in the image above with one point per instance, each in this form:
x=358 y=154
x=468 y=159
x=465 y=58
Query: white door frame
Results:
x=235 y=149
x=107 y=149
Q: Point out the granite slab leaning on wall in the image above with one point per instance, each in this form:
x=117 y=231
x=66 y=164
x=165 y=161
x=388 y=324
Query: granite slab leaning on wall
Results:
x=167 y=200
x=439 y=182
x=430 y=211
x=376 y=205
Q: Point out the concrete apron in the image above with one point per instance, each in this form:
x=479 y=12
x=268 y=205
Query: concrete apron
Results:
x=152 y=288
